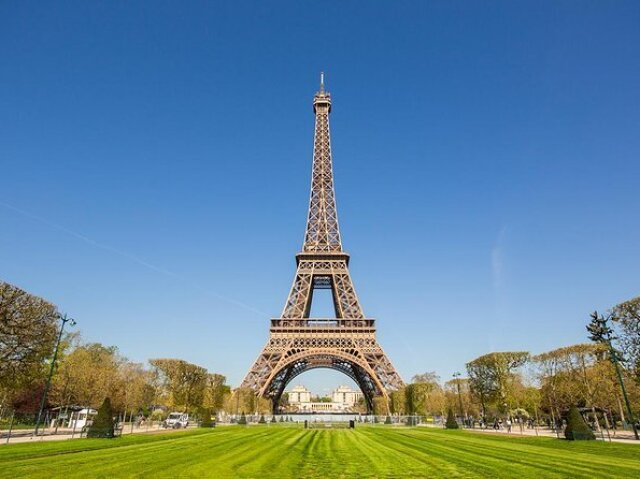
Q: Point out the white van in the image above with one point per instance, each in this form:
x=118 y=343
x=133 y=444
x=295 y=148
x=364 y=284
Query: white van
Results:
x=176 y=420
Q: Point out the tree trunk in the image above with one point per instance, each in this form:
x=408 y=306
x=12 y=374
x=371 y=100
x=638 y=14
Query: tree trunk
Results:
x=595 y=418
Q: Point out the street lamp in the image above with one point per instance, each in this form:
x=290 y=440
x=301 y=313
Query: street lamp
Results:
x=65 y=320
x=601 y=332
x=456 y=376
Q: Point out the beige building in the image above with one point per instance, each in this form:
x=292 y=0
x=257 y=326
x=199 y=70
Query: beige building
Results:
x=346 y=396
x=343 y=399
x=299 y=395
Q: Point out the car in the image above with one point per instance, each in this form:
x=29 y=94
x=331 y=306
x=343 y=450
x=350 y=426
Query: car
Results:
x=176 y=420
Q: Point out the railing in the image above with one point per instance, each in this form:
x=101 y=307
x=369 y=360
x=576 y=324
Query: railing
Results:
x=322 y=323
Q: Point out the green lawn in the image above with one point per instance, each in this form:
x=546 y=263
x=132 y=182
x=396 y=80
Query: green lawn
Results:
x=278 y=451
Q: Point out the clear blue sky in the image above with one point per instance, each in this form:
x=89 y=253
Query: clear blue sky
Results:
x=155 y=163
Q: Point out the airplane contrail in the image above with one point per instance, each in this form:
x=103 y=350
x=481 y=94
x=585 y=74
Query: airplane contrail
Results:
x=129 y=256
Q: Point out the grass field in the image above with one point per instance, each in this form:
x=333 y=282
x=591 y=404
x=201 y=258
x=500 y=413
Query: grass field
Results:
x=289 y=452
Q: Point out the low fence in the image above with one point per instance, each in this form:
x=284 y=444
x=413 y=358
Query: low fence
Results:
x=324 y=418
x=21 y=427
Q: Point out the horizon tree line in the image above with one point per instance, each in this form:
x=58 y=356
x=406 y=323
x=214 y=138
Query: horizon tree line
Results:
x=498 y=384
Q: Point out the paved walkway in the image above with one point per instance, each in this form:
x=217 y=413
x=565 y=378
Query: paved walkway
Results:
x=617 y=436
x=26 y=435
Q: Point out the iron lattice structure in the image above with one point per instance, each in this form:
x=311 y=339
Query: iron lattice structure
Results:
x=347 y=342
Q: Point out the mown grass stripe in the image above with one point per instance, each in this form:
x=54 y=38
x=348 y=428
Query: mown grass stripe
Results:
x=274 y=451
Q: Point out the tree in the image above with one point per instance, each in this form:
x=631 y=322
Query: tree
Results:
x=549 y=371
x=88 y=374
x=135 y=387
x=626 y=316
x=577 y=428
x=574 y=366
x=182 y=383
x=451 y=420
x=397 y=401
x=492 y=378
x=216 y=391
x=424 y=395
x=244 y=399
x=380 y=405
x=28 y=327
x=103 y=426
x=458 y=397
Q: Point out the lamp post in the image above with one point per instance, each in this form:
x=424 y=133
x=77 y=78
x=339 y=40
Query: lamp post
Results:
x=64 y=320
x=456 y=376
x=600 y=331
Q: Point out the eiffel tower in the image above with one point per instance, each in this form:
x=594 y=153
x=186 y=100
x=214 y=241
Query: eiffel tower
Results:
x=346 y=342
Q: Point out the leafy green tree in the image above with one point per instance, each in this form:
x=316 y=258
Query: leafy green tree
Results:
x=626 y=316
x=577 y=429
x=424 y=395
x=182 y=384
x=380 y=405
x=103 y=424
x=243 y=399
x=492 y=378
x=28 y=331
x=216 y=391
x=458 y=397
x=397 y=401
x=88 y=374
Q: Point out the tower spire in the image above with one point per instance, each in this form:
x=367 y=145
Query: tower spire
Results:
x=322 y=233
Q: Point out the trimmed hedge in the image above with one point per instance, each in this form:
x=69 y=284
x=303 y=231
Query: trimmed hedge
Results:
x=206 y=418
x=451 y=420
x=103 y=426
x=577 y=429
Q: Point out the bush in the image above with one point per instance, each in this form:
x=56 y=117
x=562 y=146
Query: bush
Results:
x=158 y=415
x=103 y=423
x=273 y=419
x=243 y=419
x=262 y=421
x=387 y=420
x=281 y=418
x=206 y=421
x=577 y=429
x=451 y=420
